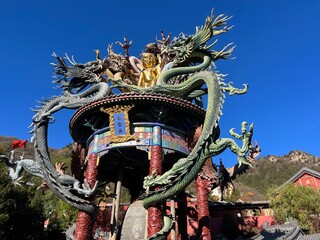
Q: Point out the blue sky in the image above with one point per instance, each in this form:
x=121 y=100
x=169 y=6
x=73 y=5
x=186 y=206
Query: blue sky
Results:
x=277 y=54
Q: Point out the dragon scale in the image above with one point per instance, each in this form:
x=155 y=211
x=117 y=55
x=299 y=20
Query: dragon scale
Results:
x=178 y=90
x=172 y=72
x=196 y=159
x=55 y=181
x=50 y=174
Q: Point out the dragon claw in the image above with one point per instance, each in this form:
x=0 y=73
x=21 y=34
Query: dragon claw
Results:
x=232 y=90
x=18 y=181
x=243 y=160
x=86 y=188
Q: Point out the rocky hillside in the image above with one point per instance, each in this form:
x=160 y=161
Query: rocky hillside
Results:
x=272 y=171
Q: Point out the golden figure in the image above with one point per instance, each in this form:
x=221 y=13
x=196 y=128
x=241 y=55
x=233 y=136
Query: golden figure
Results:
x=150 y=72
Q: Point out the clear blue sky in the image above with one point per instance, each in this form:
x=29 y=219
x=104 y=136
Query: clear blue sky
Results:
x=277 y=54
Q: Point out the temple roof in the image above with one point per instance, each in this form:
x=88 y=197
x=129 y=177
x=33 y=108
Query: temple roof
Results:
x=299 y=174
x=303 y=171
x=315 y=236
x=289 y=230
x=239 y=205
x=148 y=107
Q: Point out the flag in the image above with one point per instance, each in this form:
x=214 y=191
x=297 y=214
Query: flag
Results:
x=19 y=143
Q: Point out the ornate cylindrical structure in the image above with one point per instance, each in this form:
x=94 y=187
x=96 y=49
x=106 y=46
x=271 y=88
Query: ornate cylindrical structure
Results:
x=182 y=216
x=139 y=133
x=155 y=211
x=84 y=221
x=203 y=208
x=83 y=226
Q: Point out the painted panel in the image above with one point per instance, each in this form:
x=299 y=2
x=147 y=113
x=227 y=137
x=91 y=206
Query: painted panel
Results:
x=170 y=140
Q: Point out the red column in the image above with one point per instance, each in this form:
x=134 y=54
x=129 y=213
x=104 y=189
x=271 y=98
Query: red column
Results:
x=182 y=216
x=85 y=221
x=203 y=207
x=83 y=226
x=155 y=221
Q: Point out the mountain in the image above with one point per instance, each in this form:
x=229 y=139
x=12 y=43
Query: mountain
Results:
x=272 y=171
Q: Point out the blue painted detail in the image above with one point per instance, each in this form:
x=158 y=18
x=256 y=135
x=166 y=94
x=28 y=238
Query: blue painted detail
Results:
x=119 y=124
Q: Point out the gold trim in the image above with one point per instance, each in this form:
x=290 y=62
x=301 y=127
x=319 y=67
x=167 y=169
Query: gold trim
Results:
x=114 y=110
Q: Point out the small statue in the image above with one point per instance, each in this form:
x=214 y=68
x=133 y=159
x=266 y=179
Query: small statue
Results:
x=150 y=72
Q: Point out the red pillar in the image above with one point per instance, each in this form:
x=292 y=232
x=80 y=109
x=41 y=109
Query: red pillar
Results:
x=155 y=221
x=203 y=207
x=85 y=221
x=83 y=226
x=182 y=216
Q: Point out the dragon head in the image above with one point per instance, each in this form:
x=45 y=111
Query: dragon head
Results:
x=182 y=47
x=178 y=50
x=72 y=79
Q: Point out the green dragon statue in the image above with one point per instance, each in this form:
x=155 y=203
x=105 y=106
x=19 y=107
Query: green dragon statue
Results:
x=189 y=74
x=185 y=69
x=74 y=79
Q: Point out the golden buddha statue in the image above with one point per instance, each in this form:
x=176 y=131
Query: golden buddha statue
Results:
x=150 y=72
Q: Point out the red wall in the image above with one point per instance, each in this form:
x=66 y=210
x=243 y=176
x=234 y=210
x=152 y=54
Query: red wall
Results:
x=307 y=180
x=217 y=219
